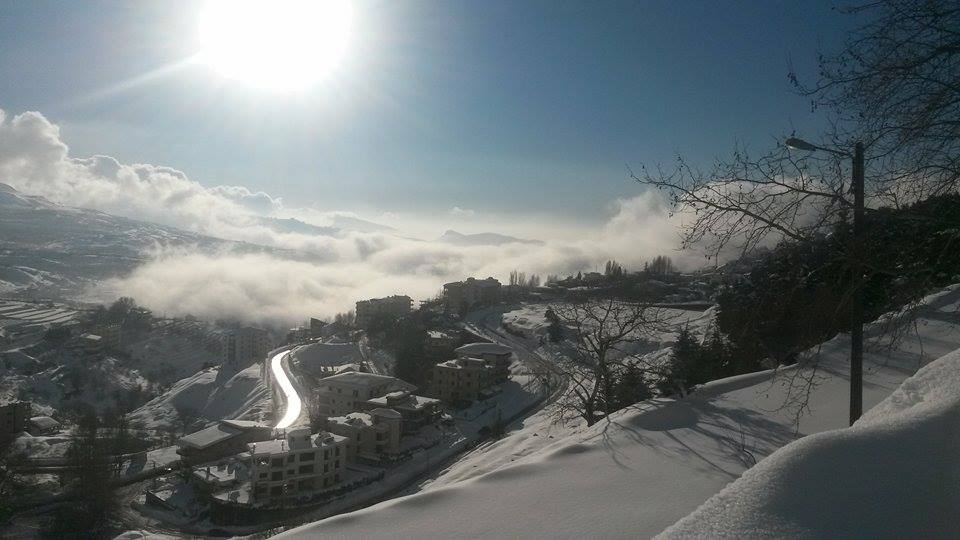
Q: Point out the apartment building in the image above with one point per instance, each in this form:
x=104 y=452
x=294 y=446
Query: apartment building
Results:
x=415 y=411
x=298 y=464
x=391 y=307
x=462 y=380
x=245 y=345
x=370 y=435
x=462 y=296
x=497 y=356
x=344 y=393
x=13 y=419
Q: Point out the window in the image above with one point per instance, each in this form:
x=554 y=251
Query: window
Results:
x=336 y=451
x=326 y=454
x=263 y=476
x=278 y=462
x=336 y=464
x=276 y=490
x=307 y=456
x=306 y=469
x=277 y=475
x=356 y=393
x=291 y=457
x=326 y=467
x=290 y=472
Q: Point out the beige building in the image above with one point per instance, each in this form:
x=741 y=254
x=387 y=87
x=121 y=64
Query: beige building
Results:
x=391 y=307
x=299 y=463
x=344 y=393
x=462 y=296
x=462 y=380
x=439 y=344
x=246 y=345
x=370 y=435
x=416 y=411
x=497 y=356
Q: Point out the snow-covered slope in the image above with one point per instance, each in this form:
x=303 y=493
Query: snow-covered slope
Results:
x=649 y=465
x=894 y=474
x=210 y=395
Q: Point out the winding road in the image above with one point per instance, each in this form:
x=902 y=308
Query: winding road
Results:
x=292 y=398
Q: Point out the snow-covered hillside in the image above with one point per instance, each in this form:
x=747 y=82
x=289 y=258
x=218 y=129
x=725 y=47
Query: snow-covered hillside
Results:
x=209 y=395
x=892 y=475
x=656 y=462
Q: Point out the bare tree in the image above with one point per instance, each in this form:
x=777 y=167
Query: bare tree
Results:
x=599 y=333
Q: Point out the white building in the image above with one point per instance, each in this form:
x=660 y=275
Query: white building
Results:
x=370 y=435
x=345 y=393
x=298 y=464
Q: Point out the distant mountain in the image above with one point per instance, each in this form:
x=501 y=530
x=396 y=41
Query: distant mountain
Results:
x=482 y=239
x=350 y=223
x=293 y=225
x=51 y=250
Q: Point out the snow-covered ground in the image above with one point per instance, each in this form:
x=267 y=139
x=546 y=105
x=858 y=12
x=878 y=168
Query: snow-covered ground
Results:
x=211 y=394
x=652 y=464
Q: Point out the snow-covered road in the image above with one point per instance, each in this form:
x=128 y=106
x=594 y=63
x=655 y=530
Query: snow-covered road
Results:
x=292 y=398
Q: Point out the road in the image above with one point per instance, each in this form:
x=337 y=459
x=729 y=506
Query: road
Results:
x=294 y=404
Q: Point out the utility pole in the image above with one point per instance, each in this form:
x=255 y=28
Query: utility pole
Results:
x=855 y=251
x=856 y=309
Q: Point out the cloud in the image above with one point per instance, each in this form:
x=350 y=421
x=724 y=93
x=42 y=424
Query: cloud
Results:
x=326 y=272
x=457 y=211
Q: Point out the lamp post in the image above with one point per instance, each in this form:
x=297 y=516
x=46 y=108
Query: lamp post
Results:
x=856 y=269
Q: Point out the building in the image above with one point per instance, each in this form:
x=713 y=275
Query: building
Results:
x=462 y=380
x=109 y=336
x=42 y=425
x=13 y=419
x=370 y=435
x=415 y=411
x=298 y=464
x=462 y=296
x=499 y=357
x=245 y=345
x=439 y=344
x=391 y=307
x=325 y=359
x=225 y=438
x=344 y=393
x=89 y=344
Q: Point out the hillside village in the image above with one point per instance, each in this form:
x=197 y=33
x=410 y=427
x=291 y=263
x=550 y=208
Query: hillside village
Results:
x=363 y=431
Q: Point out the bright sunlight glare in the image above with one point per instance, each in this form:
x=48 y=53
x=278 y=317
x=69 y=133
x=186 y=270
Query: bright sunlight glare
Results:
x=282 y=45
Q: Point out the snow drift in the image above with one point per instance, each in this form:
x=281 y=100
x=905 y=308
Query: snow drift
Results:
x=893 y=474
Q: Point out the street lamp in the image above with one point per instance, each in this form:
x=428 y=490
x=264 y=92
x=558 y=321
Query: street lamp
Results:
x=856 y=310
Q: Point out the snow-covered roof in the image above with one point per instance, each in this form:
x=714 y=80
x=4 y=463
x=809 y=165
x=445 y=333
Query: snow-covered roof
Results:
x=204 y=438
x=281 y=446
x=483 y=348
x=385 y=413
x=44 y=422
x=355 y=419
x=244 y=424
x=328 y=354
x=403 y=400
x=364 y=379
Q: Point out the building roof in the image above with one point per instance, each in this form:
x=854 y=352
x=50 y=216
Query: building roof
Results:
x=460 y=363
x=385 y=413
x=357 y=378
x=244 y=424
x=403 y=400
x=355 y=419
x=281 y=446
x=482 y=348
x=44 y=422
x=214 y=434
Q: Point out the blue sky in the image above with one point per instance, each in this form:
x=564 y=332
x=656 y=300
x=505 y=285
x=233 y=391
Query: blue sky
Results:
x=499 y=107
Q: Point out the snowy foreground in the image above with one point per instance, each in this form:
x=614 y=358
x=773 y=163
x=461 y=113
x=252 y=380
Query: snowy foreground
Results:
x=652 y=465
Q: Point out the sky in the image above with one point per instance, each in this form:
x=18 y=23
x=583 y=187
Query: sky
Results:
x=510 y=111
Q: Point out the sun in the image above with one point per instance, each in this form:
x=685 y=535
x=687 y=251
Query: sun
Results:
x=282 y=45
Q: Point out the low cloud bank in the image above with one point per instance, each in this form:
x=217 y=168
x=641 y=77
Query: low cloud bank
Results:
x=342 y=267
